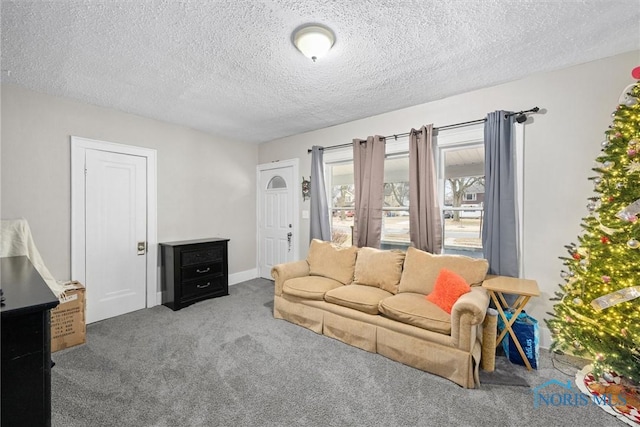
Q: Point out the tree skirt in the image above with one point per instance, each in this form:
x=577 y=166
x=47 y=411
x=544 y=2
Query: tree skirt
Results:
x=615 y=394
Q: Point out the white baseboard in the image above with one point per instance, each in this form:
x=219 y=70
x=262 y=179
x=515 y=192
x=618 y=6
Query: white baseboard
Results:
x=242 y=276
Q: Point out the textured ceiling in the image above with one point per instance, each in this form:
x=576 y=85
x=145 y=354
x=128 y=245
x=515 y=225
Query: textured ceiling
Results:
x=229 y=68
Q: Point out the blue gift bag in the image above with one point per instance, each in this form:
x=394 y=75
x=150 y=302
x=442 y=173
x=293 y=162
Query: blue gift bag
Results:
x=526 y=329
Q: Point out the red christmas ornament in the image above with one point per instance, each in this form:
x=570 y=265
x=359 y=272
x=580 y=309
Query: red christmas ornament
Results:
x=604 y=240
x=576 y=256
x=606 y=279
x=635 y=73
x=611 y=199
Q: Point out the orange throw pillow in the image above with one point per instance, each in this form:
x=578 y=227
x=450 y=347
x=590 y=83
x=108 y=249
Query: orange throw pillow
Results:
x=447 y=289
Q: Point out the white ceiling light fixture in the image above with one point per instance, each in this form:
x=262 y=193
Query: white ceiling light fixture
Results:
x=313 y=40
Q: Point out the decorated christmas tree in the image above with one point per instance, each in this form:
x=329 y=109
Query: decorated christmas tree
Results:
x=598 y=313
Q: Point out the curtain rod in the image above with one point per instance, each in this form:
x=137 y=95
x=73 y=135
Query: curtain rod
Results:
x=455 y=125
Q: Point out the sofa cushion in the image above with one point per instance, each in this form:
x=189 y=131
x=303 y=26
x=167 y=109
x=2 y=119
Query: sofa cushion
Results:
x=447 y=289
x=421 y=270
x=309 y=287
x=379 y=268
x=359 y=297
x=329 y=261
x=414 y=309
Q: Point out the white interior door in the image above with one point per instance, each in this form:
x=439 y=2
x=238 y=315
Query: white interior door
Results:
x=115 y=226
x=277 y=219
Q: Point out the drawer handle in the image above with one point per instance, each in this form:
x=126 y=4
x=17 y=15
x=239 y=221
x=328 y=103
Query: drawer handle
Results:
x=203 y=271
x=199 y=286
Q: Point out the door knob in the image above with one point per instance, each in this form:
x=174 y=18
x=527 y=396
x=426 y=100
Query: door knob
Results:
x=142 y=248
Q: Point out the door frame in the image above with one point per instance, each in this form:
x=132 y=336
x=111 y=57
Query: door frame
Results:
x=279 y=164
x=79 y=146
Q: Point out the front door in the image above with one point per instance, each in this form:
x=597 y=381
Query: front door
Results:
x=115 y=233
x=277 y=221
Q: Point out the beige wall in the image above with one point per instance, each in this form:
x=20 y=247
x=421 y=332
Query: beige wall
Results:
x=560 y=148
x=206 y=185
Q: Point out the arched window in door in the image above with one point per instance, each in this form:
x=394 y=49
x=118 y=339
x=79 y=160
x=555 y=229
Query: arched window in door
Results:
x=276 y=183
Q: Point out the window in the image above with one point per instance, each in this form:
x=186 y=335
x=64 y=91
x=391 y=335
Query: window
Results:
x=461 y=183
x=460 y=166
x=340 y=189
x=276 y=182
x=395 y=218
x=341 y=193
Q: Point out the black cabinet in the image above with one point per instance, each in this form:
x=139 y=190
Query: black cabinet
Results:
x=193 y=270
x=26 y=344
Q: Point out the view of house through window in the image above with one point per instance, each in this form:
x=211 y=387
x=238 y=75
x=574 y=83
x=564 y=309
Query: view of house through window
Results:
x=395 y=218
x=463 y=199
x=342 y=201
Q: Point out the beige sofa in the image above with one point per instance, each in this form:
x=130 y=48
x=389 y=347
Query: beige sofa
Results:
x=376 y=300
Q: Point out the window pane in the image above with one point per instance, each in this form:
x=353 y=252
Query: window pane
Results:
x=276 y=182
x=342 y=202
x=395 y=219
x=463 y=200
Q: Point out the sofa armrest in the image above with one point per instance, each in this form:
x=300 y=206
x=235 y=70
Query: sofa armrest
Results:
x=467 y=313
x=283 y=272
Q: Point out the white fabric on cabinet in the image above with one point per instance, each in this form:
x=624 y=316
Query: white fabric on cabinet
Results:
x=16 y=240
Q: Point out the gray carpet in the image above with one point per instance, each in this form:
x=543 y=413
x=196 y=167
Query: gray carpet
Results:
x=505 y=373
x=228 y=362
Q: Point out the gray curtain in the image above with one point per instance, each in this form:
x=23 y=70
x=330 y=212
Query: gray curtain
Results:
x=368 y=168
x=319 y=216
x=425 y=223
x=499 y=229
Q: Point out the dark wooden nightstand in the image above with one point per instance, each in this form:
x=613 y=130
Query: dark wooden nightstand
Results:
x=194 y=270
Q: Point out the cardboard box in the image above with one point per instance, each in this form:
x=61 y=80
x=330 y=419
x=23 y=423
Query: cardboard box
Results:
x=68 y=323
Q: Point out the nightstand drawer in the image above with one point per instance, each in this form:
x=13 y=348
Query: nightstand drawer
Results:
x=208 y=285
x=215 y=269
x=202 y=256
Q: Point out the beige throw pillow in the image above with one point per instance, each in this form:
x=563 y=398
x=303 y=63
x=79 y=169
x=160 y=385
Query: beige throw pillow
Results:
x=421 y=270
x=329 y=261
x=379 y=268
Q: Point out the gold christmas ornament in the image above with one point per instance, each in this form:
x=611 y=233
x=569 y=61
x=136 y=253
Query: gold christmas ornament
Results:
x=617 y=297
x=633 y=167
